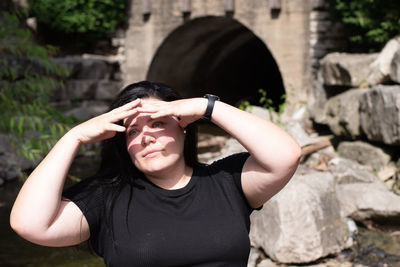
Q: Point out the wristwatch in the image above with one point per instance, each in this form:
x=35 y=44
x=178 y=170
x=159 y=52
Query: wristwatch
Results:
x=210 y=106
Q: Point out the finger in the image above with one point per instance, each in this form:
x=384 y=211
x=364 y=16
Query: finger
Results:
x=123 y=114
x=148 y=109
x=127 y=106
x=115 y=127
x=161 y=114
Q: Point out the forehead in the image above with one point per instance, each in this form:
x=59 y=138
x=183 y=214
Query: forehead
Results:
x=137 y=120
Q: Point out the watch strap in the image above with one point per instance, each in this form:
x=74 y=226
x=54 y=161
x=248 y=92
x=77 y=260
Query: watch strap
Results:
x=210 y=106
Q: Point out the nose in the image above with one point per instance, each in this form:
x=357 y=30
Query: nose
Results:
x=147 y=138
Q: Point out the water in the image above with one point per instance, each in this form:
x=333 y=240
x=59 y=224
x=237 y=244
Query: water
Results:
x=15 y=251
x=376 y=248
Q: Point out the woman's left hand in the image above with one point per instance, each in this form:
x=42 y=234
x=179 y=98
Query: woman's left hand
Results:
x=185 y=111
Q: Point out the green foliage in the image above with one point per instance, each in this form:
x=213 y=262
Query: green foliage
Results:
x=267 y=103
x=245 y=105
x=369 y=24
x=27 y=79
x=91 y=19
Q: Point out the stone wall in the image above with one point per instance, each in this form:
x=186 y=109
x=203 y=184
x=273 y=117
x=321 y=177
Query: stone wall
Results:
x=93 y=83
x=325 y=35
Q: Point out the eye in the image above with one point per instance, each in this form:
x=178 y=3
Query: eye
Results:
x=133 y=132
x=158 y=124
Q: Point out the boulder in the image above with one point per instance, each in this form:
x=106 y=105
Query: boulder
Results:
x=297 y=131
x=364 y=153
x=347 y=171
x=341 y=113
x=369 y=112
x=365 y=202
x=303 y=222
x=395 y=67
x=380 y=68
x=362 y=196
x=379 y=114
x=343 y=69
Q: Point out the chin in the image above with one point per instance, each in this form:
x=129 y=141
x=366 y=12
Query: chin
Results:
x=155 y=165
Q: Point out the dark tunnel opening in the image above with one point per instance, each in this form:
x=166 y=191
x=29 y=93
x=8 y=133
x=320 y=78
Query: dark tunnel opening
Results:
x=217 y=55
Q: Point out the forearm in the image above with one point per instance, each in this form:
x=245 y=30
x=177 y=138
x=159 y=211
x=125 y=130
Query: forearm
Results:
x=39 y=199
x=270 y=145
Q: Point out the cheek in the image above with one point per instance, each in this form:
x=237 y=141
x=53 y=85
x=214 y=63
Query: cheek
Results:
x=133 y=147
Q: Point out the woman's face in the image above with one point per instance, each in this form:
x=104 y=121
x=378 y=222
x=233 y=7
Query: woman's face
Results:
x=154 y=145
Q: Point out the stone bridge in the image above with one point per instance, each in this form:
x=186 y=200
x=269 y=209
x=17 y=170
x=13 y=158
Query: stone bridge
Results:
x=226 y=47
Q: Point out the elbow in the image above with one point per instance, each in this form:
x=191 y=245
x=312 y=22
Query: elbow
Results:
x=24 y=228
x=18 y=225
x=295 y=156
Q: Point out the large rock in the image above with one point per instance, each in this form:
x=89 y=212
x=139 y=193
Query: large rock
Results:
x=364 y=153
x=380 y=67
x=303 y=222
x=379 y=114
x=341 y=113
x=362 y=196
x=369 y=202
x=347 y=171
x=343 y=69
x=395 y=67
x=369 y=112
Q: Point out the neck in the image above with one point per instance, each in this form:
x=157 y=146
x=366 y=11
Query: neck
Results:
x=174 y=177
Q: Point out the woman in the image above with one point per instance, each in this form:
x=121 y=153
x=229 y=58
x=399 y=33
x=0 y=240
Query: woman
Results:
x=152 y=203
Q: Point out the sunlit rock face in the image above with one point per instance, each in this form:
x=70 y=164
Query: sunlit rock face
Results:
x=303 y=222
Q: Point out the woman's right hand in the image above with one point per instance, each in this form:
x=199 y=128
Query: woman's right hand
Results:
x=104 y=126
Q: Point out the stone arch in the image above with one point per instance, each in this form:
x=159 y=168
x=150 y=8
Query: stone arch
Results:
x=217 y=55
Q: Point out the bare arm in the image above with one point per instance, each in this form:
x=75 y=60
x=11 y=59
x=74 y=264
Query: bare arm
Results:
x=274 y=153
x=39 y=214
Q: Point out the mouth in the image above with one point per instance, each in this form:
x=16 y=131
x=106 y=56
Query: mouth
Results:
x=152 y=153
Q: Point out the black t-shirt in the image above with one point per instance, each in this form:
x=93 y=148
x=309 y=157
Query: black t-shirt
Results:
x=205 y=223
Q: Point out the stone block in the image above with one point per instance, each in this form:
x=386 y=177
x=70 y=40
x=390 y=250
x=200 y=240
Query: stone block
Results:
x=341 y=113
x=395 y=68
x=379 y=114
x=343 y=69
x=381 y=67
x=107 y=90
x=82 y=89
